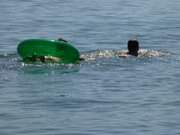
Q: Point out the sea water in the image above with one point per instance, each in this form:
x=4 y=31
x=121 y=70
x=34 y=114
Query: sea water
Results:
x=104 y=95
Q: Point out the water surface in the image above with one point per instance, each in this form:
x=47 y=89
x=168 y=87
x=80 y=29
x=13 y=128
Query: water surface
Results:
x=104 y=96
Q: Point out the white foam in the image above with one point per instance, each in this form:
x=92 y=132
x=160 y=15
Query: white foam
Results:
x=89 y=56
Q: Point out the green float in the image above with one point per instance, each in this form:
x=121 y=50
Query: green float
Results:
x=59 y=51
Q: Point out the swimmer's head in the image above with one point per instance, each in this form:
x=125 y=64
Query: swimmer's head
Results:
x=133 y=47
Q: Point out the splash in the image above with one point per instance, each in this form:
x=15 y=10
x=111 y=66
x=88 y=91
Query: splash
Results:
x=152 y=53
x=91 y=56
x=94 y=55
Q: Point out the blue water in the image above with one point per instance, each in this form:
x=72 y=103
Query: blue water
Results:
x=104 y=96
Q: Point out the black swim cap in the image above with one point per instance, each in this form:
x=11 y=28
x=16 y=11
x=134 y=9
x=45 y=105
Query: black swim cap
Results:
x=133 y=45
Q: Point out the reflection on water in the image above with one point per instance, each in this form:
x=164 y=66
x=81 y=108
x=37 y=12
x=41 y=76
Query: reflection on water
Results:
x=49 y=68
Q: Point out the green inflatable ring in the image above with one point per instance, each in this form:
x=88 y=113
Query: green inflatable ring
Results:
x=43 y=50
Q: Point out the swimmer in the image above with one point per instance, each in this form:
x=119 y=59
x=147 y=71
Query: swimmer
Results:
x=43 y=59
x=133 y=48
